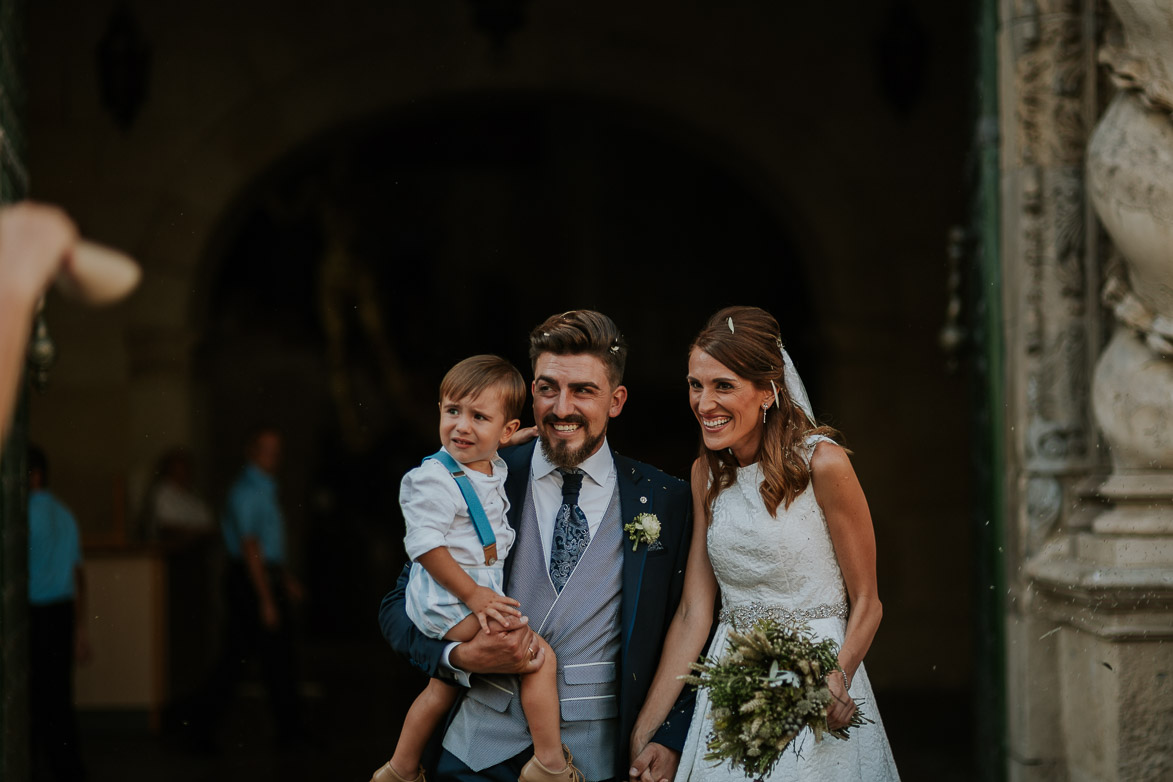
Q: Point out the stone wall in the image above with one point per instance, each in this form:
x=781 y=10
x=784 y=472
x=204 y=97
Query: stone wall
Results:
x=1091 y=577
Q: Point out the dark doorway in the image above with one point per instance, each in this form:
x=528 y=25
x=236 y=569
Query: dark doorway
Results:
x=359 y=270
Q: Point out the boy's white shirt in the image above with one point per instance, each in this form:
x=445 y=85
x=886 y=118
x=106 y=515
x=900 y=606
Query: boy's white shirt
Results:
x=436 y=514
x=598 y=486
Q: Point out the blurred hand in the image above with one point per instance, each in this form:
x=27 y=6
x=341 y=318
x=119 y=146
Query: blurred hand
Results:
x=35 y=243
x=294 y=589
x=270 y=618
x=521 y=436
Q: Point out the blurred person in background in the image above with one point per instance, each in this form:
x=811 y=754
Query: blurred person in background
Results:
x=261 y=593
x=57 y=627
x=173 y=511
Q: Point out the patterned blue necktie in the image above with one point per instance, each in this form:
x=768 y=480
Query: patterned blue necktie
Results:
x=571 y=532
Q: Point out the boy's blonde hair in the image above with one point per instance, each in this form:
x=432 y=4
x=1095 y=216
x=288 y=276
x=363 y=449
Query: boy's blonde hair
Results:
x=473 y=375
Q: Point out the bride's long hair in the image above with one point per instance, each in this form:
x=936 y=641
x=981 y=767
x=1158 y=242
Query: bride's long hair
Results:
x=751 y=349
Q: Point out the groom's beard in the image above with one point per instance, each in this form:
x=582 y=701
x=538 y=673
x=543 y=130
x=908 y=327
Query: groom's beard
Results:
x=561 y=454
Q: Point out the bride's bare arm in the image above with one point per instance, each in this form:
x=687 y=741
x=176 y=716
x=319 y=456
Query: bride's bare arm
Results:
x=690 y=625
x=849 y=521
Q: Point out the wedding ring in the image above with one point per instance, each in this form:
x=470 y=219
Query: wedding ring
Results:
x=532 y=654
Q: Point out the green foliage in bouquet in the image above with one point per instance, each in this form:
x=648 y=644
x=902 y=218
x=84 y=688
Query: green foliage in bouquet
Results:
x=768 y=686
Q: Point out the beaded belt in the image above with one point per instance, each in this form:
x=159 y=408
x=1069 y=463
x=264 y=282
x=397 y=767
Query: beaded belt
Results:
x=744 y=617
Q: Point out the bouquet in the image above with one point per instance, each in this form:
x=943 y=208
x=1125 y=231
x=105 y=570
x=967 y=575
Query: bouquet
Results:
x=768 y=686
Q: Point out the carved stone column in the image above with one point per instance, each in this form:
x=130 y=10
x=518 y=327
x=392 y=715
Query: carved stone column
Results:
x=1106 y=580
x=1050 y=277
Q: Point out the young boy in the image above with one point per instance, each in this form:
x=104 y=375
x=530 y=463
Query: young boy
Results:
x=457 y=577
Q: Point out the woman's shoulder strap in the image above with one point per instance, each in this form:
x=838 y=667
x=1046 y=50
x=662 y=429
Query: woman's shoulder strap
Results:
x=811 y=441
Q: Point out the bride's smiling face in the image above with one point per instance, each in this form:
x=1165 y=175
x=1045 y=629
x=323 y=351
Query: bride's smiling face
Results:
x=728 y=407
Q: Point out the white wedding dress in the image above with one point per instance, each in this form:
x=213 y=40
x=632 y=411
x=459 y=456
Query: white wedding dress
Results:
x=784 y=567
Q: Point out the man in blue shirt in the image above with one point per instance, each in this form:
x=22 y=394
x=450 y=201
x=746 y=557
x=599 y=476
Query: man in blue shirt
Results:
x=57 y=629
x=260 y=593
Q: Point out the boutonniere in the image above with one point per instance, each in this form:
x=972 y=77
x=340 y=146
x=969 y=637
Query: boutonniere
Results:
x=645 y=528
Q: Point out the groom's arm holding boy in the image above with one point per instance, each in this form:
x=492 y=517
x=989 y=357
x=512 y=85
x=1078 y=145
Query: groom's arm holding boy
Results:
x=502 y=651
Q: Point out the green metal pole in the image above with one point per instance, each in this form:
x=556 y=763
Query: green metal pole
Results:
x=989 y=390
x=14 y=604
x=14 y=760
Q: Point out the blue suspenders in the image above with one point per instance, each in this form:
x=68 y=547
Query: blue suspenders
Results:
x=475 y=509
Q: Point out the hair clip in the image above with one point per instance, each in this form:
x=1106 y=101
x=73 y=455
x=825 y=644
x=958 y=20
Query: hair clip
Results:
x=777 y=404
x=614 y=348
x=729 y=320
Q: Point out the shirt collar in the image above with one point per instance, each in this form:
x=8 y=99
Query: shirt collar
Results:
x=598 y=466
x=500 y=468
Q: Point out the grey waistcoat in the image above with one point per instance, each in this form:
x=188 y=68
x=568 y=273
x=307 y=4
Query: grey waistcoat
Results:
x=582 y=626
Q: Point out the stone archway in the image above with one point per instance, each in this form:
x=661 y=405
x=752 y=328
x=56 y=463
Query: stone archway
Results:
x=185 y=228
x=356 y=271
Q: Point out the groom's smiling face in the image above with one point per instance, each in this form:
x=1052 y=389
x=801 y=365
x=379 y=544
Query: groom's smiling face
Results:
x=573 y=401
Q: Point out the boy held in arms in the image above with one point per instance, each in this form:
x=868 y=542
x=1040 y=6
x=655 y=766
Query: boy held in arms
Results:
x=456 y=584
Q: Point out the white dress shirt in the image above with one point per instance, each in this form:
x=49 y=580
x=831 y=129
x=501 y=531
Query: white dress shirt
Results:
x=598 y=484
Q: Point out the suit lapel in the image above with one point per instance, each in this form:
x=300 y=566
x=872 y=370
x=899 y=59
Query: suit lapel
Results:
x=516 y=483
x=634 y=498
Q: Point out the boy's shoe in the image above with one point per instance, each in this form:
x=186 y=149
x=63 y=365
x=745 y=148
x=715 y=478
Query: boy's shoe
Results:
x=387 y=773
x=534 y=771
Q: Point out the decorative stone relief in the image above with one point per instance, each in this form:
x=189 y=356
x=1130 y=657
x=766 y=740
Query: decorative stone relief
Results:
x=1050 y=74
x=1133 y=74
x=1156 y=330
x=1044 y=504
x=1049 y=78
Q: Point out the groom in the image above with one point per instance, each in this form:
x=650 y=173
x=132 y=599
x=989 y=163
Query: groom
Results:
x=607 y=623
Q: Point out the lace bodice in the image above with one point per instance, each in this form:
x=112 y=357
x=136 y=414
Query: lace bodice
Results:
x=787 y=560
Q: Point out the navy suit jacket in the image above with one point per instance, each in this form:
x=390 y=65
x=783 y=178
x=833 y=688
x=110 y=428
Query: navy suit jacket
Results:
x=652 y=585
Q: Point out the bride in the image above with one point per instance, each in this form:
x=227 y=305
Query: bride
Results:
x=788 y=535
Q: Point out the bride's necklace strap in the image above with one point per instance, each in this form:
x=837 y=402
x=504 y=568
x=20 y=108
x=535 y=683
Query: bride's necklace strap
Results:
x=743 y=617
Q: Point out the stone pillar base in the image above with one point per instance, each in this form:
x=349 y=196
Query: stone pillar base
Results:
x=1108 y=591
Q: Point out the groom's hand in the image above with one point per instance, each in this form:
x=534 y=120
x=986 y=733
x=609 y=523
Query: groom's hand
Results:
x=656 y=763
x=521 y=436
x=500 y=650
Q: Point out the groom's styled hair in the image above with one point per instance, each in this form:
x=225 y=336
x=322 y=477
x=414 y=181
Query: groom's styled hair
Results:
x=579 y=332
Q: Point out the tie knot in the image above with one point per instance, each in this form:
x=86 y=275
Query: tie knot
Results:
x=571 y=485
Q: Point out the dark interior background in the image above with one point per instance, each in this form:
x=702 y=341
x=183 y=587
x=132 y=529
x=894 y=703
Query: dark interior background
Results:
x=462 y=227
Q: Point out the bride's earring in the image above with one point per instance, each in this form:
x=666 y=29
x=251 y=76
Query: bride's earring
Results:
x=765 y=407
